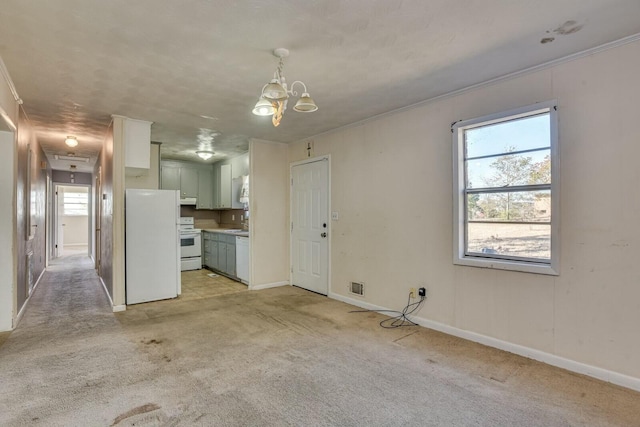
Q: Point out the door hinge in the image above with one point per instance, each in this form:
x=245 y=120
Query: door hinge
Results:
x=291 y=226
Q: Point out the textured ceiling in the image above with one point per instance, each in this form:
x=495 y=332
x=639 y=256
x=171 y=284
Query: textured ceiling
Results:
x=195 y=67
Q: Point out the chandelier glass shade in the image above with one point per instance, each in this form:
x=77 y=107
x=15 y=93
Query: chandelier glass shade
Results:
x=263 y=107
x=275 y=94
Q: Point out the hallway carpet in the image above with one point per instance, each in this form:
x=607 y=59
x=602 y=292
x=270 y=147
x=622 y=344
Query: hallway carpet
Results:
x=275 y=357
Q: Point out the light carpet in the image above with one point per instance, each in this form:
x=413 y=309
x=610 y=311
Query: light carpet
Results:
x=275 y=357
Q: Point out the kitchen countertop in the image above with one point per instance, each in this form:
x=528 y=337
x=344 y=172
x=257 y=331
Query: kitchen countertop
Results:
x=232 y=231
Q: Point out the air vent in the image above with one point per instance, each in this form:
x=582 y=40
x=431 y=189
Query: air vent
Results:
x=356 y=288
x=71 y=157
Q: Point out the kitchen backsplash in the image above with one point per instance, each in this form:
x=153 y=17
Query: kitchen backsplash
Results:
x=208 y=219
x=232 y=218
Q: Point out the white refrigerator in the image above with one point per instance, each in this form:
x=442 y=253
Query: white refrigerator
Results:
x=152 y=245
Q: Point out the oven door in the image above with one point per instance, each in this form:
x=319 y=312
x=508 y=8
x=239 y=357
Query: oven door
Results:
x=190 y=245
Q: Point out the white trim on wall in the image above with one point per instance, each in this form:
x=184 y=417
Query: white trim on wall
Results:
x=530 y=353
x=24 y=306
x=268 y=285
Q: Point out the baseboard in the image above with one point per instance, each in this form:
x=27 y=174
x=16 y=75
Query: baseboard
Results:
x=24 y=306
x=115 y=308
x=531 y=353
x=268 y=285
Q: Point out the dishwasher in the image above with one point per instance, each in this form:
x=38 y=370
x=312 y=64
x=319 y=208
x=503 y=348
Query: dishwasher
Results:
x=242 y=259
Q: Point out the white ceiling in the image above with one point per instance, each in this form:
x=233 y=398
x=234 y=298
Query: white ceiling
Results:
x=196 y=67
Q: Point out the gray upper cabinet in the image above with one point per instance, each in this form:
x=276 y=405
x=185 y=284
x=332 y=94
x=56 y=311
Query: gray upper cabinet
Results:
x=205 y=190
x=214 y=186
x=188 y=182
x=222 y=190
x=193 y=180
x=180 y=178
x=225 y=186
x=170 y=178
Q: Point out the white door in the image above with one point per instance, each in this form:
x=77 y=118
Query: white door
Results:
x=310 y=226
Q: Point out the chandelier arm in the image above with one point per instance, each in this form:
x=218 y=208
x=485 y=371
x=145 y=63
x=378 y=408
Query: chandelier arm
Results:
x=295 y=93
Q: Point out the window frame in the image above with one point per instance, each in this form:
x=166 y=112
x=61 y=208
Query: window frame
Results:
x=460 y=217
x=84 y=205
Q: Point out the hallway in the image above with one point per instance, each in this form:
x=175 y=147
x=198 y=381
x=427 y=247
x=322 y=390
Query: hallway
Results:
x=68 y=356
x=282 y=356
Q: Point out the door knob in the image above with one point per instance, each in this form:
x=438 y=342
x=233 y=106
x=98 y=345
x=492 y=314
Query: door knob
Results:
x=323 y=235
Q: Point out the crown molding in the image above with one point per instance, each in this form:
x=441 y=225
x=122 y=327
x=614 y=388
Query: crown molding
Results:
x=549 y=64
x=7 y=77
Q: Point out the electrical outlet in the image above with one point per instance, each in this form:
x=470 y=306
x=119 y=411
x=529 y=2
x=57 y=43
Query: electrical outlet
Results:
x=233 y=217
x=412 y=293
x=422 y=292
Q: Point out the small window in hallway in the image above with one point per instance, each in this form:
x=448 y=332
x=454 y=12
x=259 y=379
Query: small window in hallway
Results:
x=76 y=203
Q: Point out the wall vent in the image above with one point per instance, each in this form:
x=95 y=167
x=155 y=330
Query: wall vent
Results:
x=356 y=288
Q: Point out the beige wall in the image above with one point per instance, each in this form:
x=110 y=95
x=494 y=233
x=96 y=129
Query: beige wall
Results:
x=30 y=201
x=269 y=211
x=392 y=186
x=23 y=191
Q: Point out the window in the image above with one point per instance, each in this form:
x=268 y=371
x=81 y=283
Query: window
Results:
x=76 y=204
x=506 y=187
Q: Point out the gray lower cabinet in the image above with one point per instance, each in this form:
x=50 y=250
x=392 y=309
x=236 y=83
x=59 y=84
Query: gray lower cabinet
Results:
x=219 y=252
x=207 y=249
x=222 y=254
x=231 y=255
x=214 y=255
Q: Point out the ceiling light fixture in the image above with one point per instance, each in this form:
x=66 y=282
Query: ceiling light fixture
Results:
x=274 y=96
x=71 y=141
x=205 y=155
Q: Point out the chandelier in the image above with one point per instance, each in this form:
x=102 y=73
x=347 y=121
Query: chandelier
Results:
x=275 y=94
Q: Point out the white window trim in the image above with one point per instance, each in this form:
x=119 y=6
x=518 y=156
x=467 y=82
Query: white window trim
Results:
x=72 y=212
x=459 y=214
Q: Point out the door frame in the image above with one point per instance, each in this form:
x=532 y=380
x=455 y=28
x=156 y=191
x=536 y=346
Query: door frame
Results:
x=56 y=217
x=97 y=221
x=324 y=158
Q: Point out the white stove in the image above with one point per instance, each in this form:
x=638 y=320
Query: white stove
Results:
x=190 y=245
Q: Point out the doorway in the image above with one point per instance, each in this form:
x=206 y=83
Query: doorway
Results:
x=310 y=228
x=8 y=259
x=71 y=220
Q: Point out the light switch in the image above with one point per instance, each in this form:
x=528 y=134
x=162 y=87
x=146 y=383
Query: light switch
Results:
x=334 y=216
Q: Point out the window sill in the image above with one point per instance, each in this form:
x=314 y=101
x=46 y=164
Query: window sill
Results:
x=499 y=264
